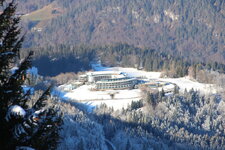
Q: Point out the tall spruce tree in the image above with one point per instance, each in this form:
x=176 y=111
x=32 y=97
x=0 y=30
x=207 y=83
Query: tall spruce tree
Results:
x=19 y=124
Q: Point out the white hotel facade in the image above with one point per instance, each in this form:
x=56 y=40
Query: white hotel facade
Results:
x=106 y=80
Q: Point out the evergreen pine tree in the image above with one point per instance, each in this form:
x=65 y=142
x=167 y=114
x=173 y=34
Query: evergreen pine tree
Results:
x=19 y=125
x=81 y=145
x=176 y=89
x=151 y=100
x=162 y=93
x=128 y=145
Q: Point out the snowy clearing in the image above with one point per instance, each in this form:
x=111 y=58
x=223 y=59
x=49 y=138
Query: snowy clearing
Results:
x=188 y=84
x=132 y=72
x=183 y=83
x=119 y=99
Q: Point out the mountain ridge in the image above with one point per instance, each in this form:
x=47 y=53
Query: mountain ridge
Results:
x=192 y=28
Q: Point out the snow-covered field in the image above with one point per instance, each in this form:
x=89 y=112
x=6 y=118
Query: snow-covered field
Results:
x=119 y=99
x=188 y=84
x=183 y=83
x=132 y=72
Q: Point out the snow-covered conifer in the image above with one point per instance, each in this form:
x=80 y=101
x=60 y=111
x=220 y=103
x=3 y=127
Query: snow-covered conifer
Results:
x=19 y=125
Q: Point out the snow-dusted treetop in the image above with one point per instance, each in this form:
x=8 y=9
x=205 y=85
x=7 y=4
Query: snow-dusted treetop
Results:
x=24 y=148
x=33 y=71
x=15 y=111
x=13 y=70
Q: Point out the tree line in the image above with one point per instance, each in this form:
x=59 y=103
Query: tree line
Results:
x=78 y=58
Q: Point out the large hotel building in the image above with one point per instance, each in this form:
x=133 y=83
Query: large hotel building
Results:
x=105 y=80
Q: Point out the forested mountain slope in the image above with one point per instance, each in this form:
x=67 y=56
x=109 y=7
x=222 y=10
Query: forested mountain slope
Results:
x=193 y=28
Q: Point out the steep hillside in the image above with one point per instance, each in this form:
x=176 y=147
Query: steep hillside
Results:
x=193 y=28
x=27 y=6
x=47 y=12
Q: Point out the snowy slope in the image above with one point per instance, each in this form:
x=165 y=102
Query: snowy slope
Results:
x=183 y=83
x=33 y=71
x=120 y=99
x=132 y=72
x=123 y=98
x=188 y=84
